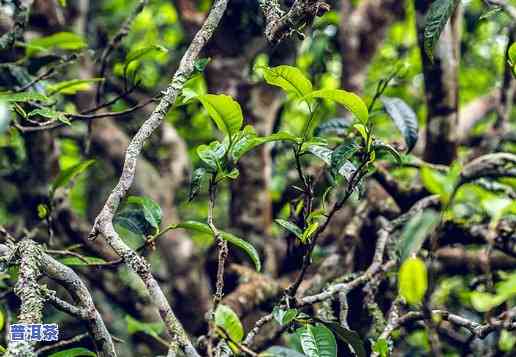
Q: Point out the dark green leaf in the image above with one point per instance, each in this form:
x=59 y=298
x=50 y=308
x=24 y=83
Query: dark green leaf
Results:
x=140 y=215
x=415 y=232
x=379 y=146
x=236 y=241
x=404 y=118
x=228 y=320
x=288 y=78
x=201 y=63
x=212 y=154
x=224 y=110
x=196 y=181
x=291 y=227
x=74 y=352
x=337 y=126
x=341 y=155
x=69 y=174
x=352 y=102
x=438 y=15
x=317 y=341
x=348 y=336
x=279 y=351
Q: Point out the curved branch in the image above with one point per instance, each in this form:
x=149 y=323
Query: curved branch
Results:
x=104 y=221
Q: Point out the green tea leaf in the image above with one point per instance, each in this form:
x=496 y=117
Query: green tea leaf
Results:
x=153 y=329
x=140 y=215
x=413 y=280
x=415 y=232
x=250 y=140
x=236 y=241
x=381 y=347
x=69 y=174
x=74 y=352
x=321 y=152
x=342 y=154
x=484 y=302
x=317 y=341
x=336 y=126
x=511 y=53
x=347 y=336
x=50 y=114
x=76 y=261
x=23 y=97
x=196 y=181
x=212 y=154
x=139 y=53
x=438 y=15
x=379 y=146
x=228 y=320
x=291 y=227
x=288 y=78
x=73 y=86
x=224 y=110
x=284 y=317
x=62 y=40
x=404 y=118
x=352 y=102
x=280 y=351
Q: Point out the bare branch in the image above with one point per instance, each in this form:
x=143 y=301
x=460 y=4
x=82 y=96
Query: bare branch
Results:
x=280 y=24
x=104 y=221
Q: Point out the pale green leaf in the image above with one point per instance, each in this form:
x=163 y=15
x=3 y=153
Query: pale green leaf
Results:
x=23 y=97
x=224 y=110
x=413 y=280
x=352 y=102
x=62 y=40
x=291 y=227
x=288 y=78
x=84 y=261
x=74 y=352
x=69 y=174
x=228 y=320
x=73 y=86
x=153 y=329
